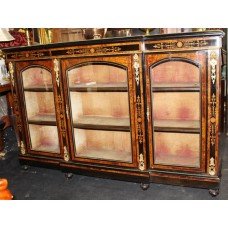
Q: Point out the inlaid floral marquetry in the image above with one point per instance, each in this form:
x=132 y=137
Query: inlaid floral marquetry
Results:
x=136 y=67
x=213 y=64
x=179 y=44
x=213 y=120
x=139 y=119
x=60 y=112
x=26 y=55
x=94 y=50
x=213 y=107
x=56 y=69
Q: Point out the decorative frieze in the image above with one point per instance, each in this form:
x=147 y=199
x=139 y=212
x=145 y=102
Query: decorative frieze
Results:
x=28 y=55
x=93 y=50
x=179 y=44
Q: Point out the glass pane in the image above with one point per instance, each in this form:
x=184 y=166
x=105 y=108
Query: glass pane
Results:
x=37 y=77
x=40 y=106
x=176 y=113
x=175 y=73
x=177 y=149
x=97 y=75
x=109 y=145
x=101 y=108
x=172 y=109
x=44 y=138
x=99 y=103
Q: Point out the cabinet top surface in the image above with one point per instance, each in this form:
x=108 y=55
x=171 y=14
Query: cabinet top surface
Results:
x=118 y=40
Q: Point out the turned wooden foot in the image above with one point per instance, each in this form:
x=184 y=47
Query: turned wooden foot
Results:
x=214 y=192
x=144 y=186
x=68 y=175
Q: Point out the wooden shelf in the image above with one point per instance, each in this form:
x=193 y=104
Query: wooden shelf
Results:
x=103 y=123
x=48 y=88
x=173 y=87
x=123 y=156
x=43 y=119
x=99 y=87
x=175 y=160
x=47 y=148
x=187 y=126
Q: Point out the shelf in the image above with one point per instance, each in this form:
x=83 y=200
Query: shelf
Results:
x=103 y=123
x=44 y=138
x=98 y=144
x=99 y=87
x=43 y=119
x=181 y=106
x=101 y=104
x=105 y=154
x=190 y=126
x=48 y=88
x=177 y=149
x=177 y=161
x=174 y=87
x=47 y=148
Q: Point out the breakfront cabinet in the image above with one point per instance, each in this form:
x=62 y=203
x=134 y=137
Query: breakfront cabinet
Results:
x=144 y=108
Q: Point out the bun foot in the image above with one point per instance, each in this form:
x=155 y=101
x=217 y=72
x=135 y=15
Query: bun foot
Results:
x=144 y=186
x=25 y=167
x=214 y=192
x=68 y=175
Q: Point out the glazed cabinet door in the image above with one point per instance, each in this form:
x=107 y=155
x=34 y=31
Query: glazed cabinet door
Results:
x=176 y=110
x=101 y=118
x=39 y=95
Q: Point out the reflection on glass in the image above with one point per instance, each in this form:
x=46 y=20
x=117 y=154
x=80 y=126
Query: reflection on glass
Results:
x=176 y=113
x=37 y=77
x=109 y=145
x=44 y=138
x=40 y=106
x=100 y=112
x=179 y=149
x=175 y=74
x=97 y=76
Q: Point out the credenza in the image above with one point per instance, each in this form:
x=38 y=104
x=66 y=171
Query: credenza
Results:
x=141 y=108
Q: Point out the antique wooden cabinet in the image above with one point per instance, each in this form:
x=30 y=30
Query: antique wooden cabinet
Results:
x=144 y=108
